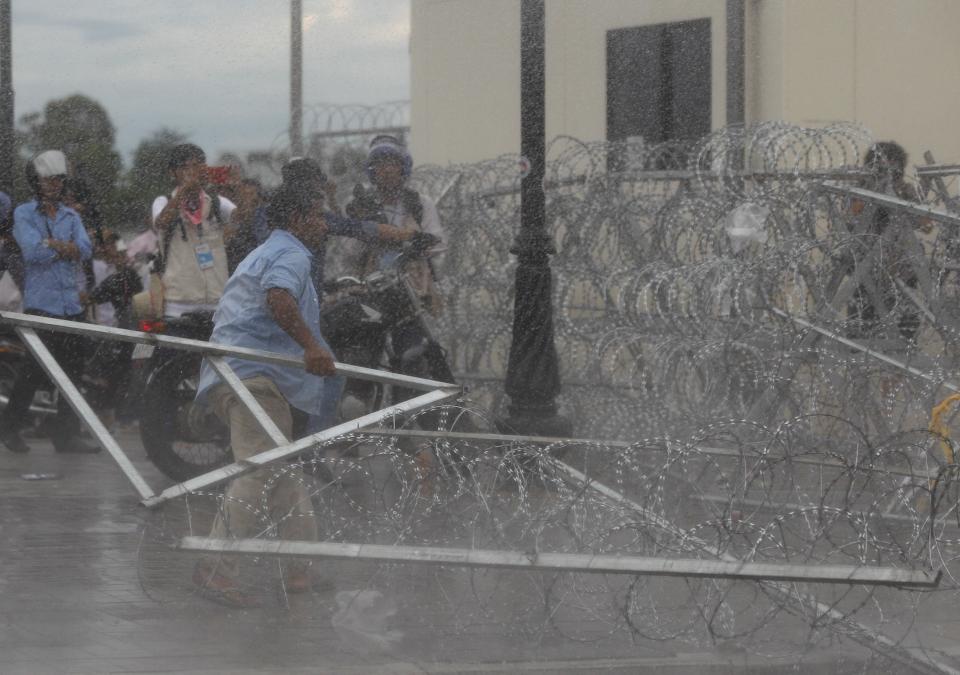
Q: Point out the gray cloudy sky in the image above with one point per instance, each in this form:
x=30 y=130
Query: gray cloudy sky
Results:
x=215 y=69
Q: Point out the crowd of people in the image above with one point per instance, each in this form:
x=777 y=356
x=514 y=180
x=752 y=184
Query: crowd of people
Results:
x=217 y=243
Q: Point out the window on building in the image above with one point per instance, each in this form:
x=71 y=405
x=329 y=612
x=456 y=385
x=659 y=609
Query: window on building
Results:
x=658 y=81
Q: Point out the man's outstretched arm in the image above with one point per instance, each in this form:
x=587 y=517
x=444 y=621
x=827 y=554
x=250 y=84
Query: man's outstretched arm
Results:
x=284 y=310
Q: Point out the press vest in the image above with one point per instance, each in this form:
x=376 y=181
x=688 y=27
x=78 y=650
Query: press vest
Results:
x=184 y=280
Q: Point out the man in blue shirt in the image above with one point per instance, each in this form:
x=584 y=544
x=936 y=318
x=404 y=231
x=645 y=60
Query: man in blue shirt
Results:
x=270 y=303
x=52 y=241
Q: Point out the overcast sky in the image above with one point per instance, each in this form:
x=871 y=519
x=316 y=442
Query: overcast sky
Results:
x=215 y=69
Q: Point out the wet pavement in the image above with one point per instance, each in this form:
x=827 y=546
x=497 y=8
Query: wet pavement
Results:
x=88 y=585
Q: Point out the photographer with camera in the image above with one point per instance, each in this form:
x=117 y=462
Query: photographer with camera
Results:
x=190 y=226
x=371 y=230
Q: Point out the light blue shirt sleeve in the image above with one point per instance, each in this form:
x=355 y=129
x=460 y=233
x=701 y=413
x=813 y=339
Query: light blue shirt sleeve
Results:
x=289 y=271
x=81 y=239
x=30 y=238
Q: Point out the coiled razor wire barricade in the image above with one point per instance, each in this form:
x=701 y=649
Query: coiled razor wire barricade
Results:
x=757 y=331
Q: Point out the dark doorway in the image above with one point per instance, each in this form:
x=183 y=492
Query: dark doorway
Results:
x=658 y=81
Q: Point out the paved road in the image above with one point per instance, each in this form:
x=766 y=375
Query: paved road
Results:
x=87 y=587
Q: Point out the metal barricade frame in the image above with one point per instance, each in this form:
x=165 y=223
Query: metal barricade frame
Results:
x=27 y=325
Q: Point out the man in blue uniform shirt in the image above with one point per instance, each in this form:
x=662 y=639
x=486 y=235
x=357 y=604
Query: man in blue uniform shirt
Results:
x=52 y=241
x=270 y=303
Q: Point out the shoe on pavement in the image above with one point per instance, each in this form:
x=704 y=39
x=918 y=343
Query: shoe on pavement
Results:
x=75 y=446
x=14 y=443
x=218 y=587
x=298 y=581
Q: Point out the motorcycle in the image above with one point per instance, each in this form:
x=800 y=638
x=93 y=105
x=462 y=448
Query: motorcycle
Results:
x=13 y=356
x=117 y=289
x=181 y=438
x=380 y=322
x=376 y=322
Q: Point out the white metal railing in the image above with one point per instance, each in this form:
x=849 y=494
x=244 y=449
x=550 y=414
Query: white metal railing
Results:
x=26 y=326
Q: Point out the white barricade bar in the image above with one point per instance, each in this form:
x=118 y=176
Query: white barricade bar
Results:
x=26 y=325
x=881 y=199
x=83 y=409
x=260 y=460
x=212 y=349
x=241 y=392
x=570 y=562
x=866 y=350
x=862 y=634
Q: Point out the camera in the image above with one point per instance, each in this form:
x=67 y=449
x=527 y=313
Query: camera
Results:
x=365 y=205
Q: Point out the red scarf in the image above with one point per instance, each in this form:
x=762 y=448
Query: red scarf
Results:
x=195 y=215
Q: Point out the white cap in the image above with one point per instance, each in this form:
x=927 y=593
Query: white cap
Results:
x=50 y=163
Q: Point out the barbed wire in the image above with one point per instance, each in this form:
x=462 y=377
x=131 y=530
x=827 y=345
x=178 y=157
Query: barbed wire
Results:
x=715 y=302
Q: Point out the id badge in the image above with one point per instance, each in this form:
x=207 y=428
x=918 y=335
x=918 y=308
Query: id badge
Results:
x=204 y=256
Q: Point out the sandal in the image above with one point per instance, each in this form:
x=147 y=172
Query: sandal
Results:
x=220 y=588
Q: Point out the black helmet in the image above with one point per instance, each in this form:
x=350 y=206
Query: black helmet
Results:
x=302 y=170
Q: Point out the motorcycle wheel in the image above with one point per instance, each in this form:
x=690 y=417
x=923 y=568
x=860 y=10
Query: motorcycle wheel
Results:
x=181 y=439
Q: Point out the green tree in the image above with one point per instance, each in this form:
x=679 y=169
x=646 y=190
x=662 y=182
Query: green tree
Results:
x=82 y=129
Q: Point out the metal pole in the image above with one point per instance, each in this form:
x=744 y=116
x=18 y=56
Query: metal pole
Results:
x=736 y=63
x=596 y=563
x=305 y=444
x=799 y=602
x=211 y=349
x=83 y=410
x=296 y=78
x=6 y=99
x=533 y=373
x=884 y=200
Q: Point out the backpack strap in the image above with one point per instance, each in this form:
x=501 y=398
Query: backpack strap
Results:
x=160 y=264
x=215 y=213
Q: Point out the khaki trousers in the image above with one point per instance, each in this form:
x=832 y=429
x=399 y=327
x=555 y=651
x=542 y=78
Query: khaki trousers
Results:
x=268 y=498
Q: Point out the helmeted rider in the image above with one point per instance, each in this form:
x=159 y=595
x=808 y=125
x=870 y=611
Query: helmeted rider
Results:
x=388 y=166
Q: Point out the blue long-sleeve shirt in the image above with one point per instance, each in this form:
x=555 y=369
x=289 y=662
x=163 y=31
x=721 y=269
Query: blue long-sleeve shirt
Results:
x=244 y=319
x=337 y=225
x=50 y=283
x=340 y=226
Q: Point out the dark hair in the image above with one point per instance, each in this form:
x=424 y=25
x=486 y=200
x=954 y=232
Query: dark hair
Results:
x=886 y=156
x=291 y=200
x=81 y=192
x=255 y=184
x=183 y=153
x=303 y=170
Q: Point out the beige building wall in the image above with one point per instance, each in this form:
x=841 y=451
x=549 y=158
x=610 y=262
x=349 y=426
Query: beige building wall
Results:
x=465 y=80
x=888 y=64
x=465 y=62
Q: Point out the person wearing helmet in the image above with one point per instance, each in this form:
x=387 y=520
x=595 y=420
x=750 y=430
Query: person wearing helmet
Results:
x=53 y=241
x=388 y=167
x=307 y=172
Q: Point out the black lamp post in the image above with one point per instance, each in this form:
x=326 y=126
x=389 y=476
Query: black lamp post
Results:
x=533 y=374
x=296 y=78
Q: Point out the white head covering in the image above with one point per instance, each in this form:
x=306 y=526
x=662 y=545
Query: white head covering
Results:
x=50 y=163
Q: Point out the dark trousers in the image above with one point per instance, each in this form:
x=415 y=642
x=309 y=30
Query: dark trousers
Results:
x=69 y=351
